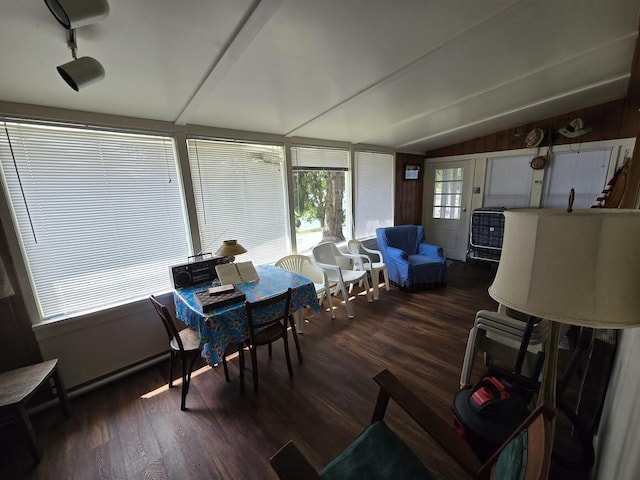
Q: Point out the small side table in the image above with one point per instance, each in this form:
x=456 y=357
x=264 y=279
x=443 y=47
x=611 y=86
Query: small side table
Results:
x=17 y=387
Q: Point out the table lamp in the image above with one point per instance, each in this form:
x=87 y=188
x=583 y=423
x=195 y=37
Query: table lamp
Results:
x=230 y=248
x=578 y=268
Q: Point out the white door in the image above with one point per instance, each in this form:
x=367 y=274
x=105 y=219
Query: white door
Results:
x=446 y=206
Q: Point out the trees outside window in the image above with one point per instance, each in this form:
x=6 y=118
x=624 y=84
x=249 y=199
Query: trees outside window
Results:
x=320 y=195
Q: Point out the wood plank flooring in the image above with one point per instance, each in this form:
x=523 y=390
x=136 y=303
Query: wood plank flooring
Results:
x=134 y=429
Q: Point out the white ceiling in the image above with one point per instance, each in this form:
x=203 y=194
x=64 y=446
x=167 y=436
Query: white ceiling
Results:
x=408 y=74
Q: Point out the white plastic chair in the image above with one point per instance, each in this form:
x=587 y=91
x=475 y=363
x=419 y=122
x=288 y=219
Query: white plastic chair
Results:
x=500 y=335
x=303 y=265
x=327 y=256
x=356 y=247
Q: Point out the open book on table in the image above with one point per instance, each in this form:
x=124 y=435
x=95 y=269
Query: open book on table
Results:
x=236 y=273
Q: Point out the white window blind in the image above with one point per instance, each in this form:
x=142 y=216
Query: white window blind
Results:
x=239 y=191
x=508 y=182
x=373 y=192
x=99 y=213
x=585 y=172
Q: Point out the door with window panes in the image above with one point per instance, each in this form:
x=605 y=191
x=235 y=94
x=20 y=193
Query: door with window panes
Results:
x=446 y=205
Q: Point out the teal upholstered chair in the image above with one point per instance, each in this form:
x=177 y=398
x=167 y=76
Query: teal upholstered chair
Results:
x=378 y=453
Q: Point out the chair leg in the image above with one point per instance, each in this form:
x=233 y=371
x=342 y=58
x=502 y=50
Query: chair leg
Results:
x=187 y=368
x=28 y=429
x=270 y=350
x=285 y=339
x=375 y=280
x=385 y=272
x=328 y=294
x=172 y=363
x=62 y=393
x=347 y=305
x=295 y=337
x=254 y=367
x=241 y=362
x=226 y=368
x=366 y=286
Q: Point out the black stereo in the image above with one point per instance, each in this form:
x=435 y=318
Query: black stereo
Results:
x=194 y=273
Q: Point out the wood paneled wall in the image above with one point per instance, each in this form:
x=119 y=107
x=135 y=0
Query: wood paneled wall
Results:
x=615 y=119
x=18 y=345
x=612 y=120
x=408 y=204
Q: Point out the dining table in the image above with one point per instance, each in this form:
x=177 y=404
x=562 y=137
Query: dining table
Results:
x=229 y=324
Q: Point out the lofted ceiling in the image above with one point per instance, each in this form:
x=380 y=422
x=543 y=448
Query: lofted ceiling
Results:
x=412 y=75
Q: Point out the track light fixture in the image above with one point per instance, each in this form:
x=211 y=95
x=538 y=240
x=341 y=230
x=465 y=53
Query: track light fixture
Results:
x=82 y=71
x=78 y=13
x=72 y=14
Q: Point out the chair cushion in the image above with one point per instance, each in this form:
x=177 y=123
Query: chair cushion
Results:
x=422 y=260
x=512 y=461
x=190 y=340
x=376 y=454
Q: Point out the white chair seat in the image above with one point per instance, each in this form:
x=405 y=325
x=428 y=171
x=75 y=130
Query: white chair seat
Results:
x=328 y=258
x=357 y=248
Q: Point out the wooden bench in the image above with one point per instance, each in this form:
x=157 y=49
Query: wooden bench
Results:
x=17 y=387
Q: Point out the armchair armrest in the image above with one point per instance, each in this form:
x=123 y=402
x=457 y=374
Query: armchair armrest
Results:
x=430 y=250
x=397 y=253
x=436 y=427
x=290 y=464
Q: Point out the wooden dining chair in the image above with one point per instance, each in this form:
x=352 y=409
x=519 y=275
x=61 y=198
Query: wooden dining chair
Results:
x=378 y=453
x=184 y=344
x=268 y=320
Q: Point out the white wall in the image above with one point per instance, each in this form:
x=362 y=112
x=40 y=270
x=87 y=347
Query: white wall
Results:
x=101 y=343
x=618 y=439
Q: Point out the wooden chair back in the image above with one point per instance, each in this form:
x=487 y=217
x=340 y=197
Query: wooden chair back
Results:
x=167 y=321
x=533 y=439
x=273 y=310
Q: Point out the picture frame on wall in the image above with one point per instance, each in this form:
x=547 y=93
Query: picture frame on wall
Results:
x=412 y=172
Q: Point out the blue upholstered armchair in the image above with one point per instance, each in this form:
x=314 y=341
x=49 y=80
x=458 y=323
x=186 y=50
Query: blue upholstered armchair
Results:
x=412 y=262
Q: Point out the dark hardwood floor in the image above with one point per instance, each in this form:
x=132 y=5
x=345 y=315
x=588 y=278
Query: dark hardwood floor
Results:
x=134 y=429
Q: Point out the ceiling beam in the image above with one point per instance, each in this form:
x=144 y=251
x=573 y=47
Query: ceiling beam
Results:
x=248 y=29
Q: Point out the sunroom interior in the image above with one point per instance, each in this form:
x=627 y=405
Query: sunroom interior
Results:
x=211 y=116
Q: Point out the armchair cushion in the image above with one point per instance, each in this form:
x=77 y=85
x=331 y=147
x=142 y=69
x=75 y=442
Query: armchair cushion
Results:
x=377 y=453
x=412 y=262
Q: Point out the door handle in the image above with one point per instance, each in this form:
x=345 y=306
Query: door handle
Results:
x=464 y=209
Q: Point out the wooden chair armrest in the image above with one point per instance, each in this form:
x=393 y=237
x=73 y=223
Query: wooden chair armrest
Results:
x=290 y=464
x=436 y=427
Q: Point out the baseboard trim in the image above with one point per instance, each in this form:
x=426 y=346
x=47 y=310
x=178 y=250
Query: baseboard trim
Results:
x=102 y=381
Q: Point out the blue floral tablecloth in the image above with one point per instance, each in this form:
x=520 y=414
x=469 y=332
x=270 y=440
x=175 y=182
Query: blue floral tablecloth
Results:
x=228 y=324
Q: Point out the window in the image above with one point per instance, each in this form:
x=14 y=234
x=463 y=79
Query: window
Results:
x=585 y=172
x=239 y=190
x=99 y=213
x=374 y=192
x=508 y=182
x=447 y=197
x=320 y=195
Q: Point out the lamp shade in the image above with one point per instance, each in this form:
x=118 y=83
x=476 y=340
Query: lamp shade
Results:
x=81 y=72
x=78 y=13
x=580 y=268
x=230 y=248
